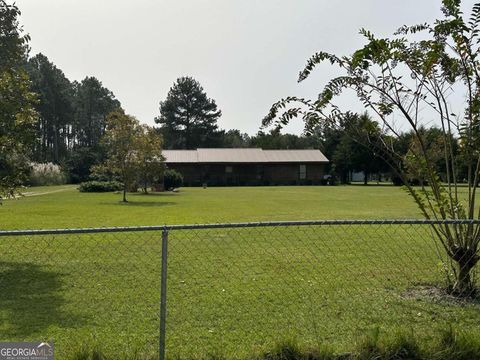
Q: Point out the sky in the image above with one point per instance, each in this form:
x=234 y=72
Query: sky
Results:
x=245 y=53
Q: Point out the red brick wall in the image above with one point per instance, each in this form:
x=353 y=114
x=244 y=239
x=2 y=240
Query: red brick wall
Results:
x=248 y=174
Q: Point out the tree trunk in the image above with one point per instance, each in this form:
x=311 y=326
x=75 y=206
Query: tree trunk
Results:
x=55 y=144
x=463 y=285
x=365 y=178
x=125 y=193
x=466 y=260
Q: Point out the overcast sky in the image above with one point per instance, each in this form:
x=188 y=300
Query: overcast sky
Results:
x=245 y=53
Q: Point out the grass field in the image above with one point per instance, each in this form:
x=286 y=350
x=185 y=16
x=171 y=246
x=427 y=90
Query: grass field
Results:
x=232 y=292
x=66 y=207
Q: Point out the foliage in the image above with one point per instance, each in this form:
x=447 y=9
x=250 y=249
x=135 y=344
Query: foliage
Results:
x=55 y=109
x=71 y=118
x=102 y=172
x=46 y=174
x=134 y=152
x=276 y=140
x=234 y=139
x=82 y=160
x=348 y=148
x=17 y=114
x=120 y=140
x=92 y=103
x=172 y=179
x=445 y=59
x=149 y=155
x=188 y=118
x=100 y=186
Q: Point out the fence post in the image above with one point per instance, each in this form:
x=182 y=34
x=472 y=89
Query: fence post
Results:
x=163 y=294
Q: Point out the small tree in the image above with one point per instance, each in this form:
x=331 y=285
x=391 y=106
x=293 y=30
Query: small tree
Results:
x=149 y=154
x=401 y=76
x=172 y=179
x=120 y=139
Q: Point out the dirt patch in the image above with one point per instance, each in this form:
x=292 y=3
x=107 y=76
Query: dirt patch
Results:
x=439 y=295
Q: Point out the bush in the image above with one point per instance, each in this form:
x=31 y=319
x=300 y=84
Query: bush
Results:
x=172 y=179
x=46 y=174
x=100 y=186
x=103 y=173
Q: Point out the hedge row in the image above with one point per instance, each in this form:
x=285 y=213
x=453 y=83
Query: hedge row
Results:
x=100 y=186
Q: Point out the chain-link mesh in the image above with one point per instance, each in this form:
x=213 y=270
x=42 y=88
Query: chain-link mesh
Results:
x=232 y=290
x=96 y=288
x=237 y=291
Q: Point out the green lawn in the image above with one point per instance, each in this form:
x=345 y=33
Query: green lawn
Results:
x=231 y=292
x=69 y=208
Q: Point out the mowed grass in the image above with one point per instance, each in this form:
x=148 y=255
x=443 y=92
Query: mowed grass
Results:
x=231 y=292
x=66 y=207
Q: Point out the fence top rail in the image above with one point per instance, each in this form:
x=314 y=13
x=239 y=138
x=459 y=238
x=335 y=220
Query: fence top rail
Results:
x=236 y=225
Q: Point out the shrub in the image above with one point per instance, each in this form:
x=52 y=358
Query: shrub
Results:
x=103 y=173
x=100 y=186
x=172 y=179
x=46 y=174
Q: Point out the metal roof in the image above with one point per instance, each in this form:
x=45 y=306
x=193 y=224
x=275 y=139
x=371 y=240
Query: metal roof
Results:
x=243 y=155
x=294 y=156
x=180 y=156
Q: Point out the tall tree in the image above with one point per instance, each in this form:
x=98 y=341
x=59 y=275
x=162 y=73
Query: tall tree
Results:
x=234 y=139
x=366 y=136
x=188 y=118
x=55 y=107
x=276 y=140
x=93 y=102
x=348 y=148
x=17 y=113
x=445 y=57
x=434 y=143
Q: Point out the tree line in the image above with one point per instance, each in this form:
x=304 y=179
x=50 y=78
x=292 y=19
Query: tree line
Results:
x=72 y=122
x=67 y=121
x=71 y=117
x=189 y=119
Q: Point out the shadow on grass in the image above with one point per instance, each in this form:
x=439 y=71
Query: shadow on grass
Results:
x=155 y=194
x=361 y=184
x=30 y=301
x=146 y=203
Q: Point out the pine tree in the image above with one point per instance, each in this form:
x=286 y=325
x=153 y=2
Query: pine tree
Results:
x=188 y=117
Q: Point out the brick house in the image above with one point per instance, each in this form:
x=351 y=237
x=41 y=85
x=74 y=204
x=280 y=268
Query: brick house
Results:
x=247 y=166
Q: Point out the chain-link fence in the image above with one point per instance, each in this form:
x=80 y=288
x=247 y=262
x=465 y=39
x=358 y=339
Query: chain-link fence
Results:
x=230 y=290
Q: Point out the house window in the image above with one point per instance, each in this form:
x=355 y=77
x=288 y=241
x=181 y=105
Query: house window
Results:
x=303 y=172
x=228 y=169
